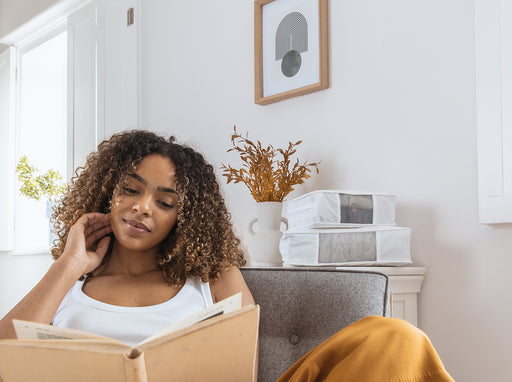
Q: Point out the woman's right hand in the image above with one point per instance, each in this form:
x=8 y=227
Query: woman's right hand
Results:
x=87 y=243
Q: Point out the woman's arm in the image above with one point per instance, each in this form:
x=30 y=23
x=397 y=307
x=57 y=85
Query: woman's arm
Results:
x=42 y=302
x=230 y=282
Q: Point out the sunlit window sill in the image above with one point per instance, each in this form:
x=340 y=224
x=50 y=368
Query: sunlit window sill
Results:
x=41 y=252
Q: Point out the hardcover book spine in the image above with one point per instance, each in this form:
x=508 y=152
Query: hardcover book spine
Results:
x=135 y=367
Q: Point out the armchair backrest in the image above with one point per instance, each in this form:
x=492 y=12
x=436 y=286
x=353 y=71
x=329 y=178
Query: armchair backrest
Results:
x=301 y=307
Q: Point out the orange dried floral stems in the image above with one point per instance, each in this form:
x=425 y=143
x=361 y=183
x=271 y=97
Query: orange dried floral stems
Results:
x=268 y=173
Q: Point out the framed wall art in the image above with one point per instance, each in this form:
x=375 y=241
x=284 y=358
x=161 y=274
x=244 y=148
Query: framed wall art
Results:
x=290 y=48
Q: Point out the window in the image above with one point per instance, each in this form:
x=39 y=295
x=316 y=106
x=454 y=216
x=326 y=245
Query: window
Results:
x=48 y=112
x=41 y=132
x=78 y=72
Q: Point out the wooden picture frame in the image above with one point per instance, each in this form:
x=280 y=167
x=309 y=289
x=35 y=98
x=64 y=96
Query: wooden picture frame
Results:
x=290 y=49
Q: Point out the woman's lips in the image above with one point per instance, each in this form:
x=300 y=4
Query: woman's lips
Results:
x=136 y=226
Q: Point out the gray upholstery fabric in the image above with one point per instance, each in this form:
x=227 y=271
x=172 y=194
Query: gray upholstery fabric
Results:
x=301 y=307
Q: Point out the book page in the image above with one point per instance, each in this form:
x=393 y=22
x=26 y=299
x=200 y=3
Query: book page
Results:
x=227 y=305
x=26 y=330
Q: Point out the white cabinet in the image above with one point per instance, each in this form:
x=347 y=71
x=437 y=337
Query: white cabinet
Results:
x=103 y=40
x=82 y=103
x=493 y=37
x=118 y=65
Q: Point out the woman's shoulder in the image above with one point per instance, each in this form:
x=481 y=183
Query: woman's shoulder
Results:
x=229 y=283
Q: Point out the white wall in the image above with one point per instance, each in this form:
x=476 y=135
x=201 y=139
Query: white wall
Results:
x=18 y=274
x=13 y=14
x=399 y=117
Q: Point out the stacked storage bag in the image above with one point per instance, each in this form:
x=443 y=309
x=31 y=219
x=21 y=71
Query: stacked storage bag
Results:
x=339 y=228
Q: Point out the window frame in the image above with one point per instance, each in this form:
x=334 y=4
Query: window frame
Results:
x=36 y=40
x=7 y=119
x=101 y=97
x=30 y=35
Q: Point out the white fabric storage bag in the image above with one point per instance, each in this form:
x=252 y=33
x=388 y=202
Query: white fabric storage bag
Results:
x=335 y=208
x=367 y=246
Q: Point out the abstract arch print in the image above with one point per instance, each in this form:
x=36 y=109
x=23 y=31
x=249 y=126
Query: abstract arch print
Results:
x=291 y=41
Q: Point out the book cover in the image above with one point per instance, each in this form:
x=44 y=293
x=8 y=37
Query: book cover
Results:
x=217 y=344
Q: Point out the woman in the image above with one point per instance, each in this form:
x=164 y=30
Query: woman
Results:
x=145 y=231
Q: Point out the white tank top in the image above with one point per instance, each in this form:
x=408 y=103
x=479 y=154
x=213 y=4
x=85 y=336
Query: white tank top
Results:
x=130 y=324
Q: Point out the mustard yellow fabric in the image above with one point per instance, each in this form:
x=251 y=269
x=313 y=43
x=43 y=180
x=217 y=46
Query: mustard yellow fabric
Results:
x=373 y=349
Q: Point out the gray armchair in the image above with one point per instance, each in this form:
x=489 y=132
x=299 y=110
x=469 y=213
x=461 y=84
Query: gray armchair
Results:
x=302 y=307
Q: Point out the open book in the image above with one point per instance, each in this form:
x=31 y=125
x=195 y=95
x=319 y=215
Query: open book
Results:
x=216 y=344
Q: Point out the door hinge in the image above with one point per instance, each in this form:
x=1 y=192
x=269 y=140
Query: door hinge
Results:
x=130 y=16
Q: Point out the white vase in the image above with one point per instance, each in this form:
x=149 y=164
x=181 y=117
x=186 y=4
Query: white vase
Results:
x=264 y=243
x=50 y=205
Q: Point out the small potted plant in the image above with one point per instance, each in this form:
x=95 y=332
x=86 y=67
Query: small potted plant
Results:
x=37 y=186
x=270 y=174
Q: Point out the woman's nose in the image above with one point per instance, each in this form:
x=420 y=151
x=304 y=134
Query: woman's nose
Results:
x=143 y=206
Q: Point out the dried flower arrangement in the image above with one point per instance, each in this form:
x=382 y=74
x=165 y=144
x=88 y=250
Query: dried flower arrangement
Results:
x=268 y=178
x=36 y=186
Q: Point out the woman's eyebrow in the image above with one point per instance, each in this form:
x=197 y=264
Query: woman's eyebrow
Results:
x=139 y=178
x=159 y=188
x=167 y=189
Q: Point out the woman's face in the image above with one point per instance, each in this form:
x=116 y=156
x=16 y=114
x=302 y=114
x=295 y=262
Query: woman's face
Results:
x=145 y=210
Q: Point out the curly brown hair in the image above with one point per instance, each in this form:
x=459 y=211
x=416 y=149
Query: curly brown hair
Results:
x=201 y=243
